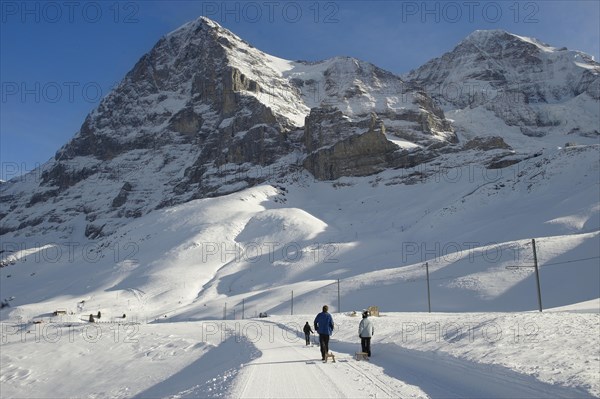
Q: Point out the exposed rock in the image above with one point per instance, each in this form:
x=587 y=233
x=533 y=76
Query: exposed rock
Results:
x=93 y=231
x=186 y=121
x=31 y=222
x=42 y=196
x=502 y=163
x=327 y=126
x=357 y=155
x=123 y=194
x=64 y=175
x=487 y=144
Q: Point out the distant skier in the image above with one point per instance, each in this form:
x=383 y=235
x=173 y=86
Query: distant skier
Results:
x=324 y=326
x=366 y=329
x=307 y=332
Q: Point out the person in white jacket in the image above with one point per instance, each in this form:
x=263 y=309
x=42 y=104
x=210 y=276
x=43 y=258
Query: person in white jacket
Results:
x=366 y=329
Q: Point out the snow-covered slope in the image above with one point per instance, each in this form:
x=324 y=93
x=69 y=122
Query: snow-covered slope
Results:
x=373 y=234
x=176 y=272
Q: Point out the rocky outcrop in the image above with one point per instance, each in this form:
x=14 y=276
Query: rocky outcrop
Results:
x=186 y=122
x=121 y=199
x=326 y=126
x=93 y=231
x=359 y=154
x=486 y=144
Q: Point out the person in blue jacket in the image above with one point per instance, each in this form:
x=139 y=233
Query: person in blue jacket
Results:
x=324 y=326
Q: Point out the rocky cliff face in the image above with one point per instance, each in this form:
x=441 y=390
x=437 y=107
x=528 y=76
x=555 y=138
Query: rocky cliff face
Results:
x=339 y=154
x=204 y=114
x=356 y=112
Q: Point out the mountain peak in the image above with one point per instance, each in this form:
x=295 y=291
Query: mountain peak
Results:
x=193 y=25
x=519 y=80
x=490 y=38
x=484 y=34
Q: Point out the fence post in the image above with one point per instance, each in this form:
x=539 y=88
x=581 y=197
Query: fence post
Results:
x=428 y=290
x=537 y=274
x=339 y=303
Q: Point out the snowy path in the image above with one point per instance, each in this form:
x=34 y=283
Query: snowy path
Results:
x=288 y=369
x=268 y=358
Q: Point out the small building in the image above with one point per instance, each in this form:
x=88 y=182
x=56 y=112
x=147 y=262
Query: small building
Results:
x=373 y=311
x=60 y=312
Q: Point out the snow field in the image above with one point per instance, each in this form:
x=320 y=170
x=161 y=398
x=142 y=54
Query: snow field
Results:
x=553 y=354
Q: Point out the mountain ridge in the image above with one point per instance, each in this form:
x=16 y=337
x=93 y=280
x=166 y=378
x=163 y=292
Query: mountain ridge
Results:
x=507 y=80
x=203 y=111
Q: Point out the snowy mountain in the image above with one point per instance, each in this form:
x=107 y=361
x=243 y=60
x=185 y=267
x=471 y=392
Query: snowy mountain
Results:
x=495 y=82
x=204 y=114
x=220 y=182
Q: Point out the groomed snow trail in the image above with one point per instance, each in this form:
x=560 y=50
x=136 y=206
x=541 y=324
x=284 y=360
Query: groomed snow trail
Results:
x=289 y=369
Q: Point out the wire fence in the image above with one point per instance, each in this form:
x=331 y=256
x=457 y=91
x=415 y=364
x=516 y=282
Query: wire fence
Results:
x=498 y=285
x=474 y=280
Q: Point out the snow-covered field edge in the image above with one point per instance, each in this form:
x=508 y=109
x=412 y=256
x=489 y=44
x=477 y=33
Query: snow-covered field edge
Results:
x=187 y=359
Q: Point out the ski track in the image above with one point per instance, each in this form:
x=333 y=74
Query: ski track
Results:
x=443 y=376
x=288 y=369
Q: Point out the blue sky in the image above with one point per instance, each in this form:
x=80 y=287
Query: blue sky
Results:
x=59 y=58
